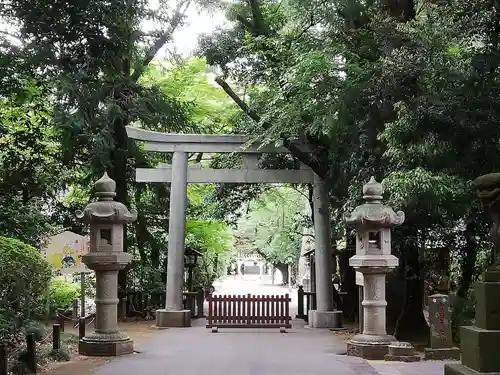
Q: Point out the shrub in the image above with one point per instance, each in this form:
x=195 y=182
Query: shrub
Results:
x=62 y=294
x=24 y=277
x=37 y=329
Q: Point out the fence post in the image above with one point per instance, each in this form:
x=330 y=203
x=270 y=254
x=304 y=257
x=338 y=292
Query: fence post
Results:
x=56 y=337
x=300 y=302
x=60 y=321
x=3 y=360
x=81 y=328
x=31 y=353
x=74 y=313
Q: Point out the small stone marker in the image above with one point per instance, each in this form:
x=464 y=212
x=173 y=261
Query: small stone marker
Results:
x=441 y=342
x=402 y=352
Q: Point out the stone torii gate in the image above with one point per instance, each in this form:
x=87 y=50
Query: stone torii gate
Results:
x=179 y=174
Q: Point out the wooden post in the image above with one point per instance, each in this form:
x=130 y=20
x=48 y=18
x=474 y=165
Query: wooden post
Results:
x=31 y=353
x=74 y=312
x=56 y=337
x=82 y=294
x=81 y=328
x=3 y=360
x=60 y=321
x=300 y=302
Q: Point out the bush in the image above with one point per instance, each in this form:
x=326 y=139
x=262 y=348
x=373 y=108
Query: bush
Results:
x=37 y=329
x=24 y=280
x=62 y=294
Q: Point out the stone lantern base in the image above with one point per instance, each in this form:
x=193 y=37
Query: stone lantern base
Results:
x=370 y=346
x=97 y=345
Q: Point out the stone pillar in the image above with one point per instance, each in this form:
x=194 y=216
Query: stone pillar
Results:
x=441 y=342
x=373 y=222
x=174 y=314
x=324 y=316
x=106 y=257
x=480 y=344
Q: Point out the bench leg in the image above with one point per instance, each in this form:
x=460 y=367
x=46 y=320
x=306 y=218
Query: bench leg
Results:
x=282 y=329
x=215 y=329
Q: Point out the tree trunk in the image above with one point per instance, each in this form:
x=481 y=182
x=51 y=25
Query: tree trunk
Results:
x=119 y=174
x=348 y=281
x=283 y=268
x=405 y=293
x=468 y=267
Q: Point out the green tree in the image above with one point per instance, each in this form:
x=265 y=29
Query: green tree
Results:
x=272 y=226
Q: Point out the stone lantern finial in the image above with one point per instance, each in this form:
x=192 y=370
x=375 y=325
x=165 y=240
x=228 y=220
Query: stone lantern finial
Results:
x=373 y=191
x=105 y=187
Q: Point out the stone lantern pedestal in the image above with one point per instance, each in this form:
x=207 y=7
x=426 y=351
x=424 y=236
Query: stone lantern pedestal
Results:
x=106 y=219
x=480 y=344
x=373 y=222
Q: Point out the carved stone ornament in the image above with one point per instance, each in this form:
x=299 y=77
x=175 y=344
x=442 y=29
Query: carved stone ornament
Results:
x=106 y=209
x=374 y=214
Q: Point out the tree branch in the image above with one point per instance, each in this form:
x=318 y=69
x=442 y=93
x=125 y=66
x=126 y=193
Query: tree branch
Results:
x=304 y=157
x=162 y=39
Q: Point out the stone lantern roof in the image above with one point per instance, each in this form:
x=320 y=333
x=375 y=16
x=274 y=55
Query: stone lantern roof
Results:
x=374 y=214
x=106 y=209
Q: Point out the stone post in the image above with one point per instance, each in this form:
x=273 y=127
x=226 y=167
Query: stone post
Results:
x=373 y=222
x=441 y=342
x=480 y=344
x=174 y=314
x=106 y=257
x=324 y=316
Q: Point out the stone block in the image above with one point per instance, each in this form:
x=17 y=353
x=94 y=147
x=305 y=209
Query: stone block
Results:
x=173 y=319
x=325 y=319
x=367 y=351
x=105 y=348
x=480 y=349
x=459 y=369
x=440 y=354
x=488 y=305
x=401 y=352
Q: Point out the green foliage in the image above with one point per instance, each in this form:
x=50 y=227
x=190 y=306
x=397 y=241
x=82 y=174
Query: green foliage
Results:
x=31 y=172
x=24 y=276
x=273 y=224
x=60 y=355
x=62 y=294
x=37 y=329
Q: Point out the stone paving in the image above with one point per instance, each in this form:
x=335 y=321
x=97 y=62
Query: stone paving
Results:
x=197 y=350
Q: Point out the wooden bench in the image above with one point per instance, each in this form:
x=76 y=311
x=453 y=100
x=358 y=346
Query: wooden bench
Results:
x=240 y=311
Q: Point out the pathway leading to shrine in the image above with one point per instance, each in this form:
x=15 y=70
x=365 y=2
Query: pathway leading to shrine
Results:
x=196 y=350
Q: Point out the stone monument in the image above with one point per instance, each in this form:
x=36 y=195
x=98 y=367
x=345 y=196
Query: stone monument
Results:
x=441 y=341
x=106 y=219
x=373 y=222
x=480 y=344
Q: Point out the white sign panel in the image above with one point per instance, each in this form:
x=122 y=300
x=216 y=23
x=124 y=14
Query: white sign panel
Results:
x=64 y=252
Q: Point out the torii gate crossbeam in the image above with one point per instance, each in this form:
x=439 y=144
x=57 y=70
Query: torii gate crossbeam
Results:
x=180 y=173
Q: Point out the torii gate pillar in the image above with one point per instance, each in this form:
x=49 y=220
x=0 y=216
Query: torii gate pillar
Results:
x=325 y=315
x=174 y=314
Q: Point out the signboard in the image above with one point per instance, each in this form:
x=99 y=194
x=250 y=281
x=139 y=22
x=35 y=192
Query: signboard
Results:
x=64 y=252
x=359 y=278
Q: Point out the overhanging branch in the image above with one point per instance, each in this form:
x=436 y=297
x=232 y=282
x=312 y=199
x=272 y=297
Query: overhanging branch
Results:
x=304 y=157
x=162 y=39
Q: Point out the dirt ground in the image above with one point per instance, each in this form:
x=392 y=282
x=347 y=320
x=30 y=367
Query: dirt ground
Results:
x=81 y=365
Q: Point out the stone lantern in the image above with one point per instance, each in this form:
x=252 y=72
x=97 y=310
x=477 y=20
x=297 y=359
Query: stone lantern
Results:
x=373 y=222
x=106 y=219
